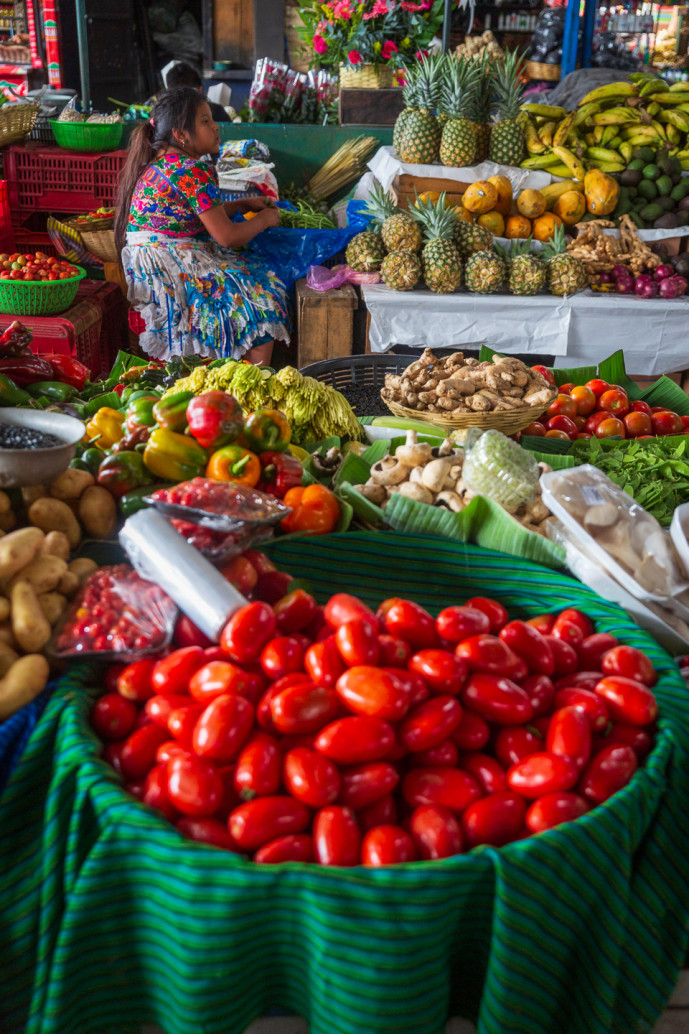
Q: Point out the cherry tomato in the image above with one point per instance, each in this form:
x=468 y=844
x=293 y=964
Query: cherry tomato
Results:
x=628 y=701
x=488 y=772
x=194 y=786
x=611 y=427
x=223 y=728
x=554 y=808
x=535 y=429
x=436 y=832
x=541 y=693
x=303 y=708
x=113 y=716
x=247 y=632
x=393 y=652
x=296 y=847
x=365 y=784
x=630 y=663
x=155 y=793
x=450 y=787
x=497 y=699
x=542 y=773
x=569 y=734
x=381 y=813
x=530 y=645
x=592 y=649
x=282 y=656
x=515 y=742
x=410 y=622
x=138 y=755
x=632 y=736
x=598 y=387
x=218 y=678
x=134 y=681
x=311 y=777
x=240 y=572
x=259 y=561
x=336 y=836
x=207 y=831
x=494 y=611
x=637 y=425
x=445 y=754
x=259 y=767
x=608 y=771
x=342 y=608
x=594 y=707
x=457 y=623
x=357 y=642
x=371 y=691
x=496 y=820
x=257 y=822
x=295 y=611
x=351 y=741
x=584 y=398
x=666 y=422
x=387 y=845
x=173 y=673
x=490 y=655
x=472 y=733
x=324 y=663
x=429 y=723
x=565 y=656
x=272 y=586
x=441 y=670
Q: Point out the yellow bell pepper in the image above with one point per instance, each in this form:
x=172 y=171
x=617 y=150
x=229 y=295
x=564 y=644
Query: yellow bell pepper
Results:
x=106 y=427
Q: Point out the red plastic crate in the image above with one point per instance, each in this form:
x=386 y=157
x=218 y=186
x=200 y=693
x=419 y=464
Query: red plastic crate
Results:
x=136 y=323
x=109 y=298
x=51 y=179
x=6 y=233
x=76 y=332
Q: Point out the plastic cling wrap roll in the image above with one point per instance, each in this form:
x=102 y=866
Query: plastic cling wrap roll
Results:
x=160 y=554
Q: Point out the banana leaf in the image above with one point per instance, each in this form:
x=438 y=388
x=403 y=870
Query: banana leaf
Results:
x=613 y=371
x=664 y=392
x=361 y=506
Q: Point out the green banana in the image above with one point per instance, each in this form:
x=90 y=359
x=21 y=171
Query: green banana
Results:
x=638 y=132
x=673 y=134
x=653 y=108
x=653 y=86
x=590 y=138
x=608 y=133
x=679 y=87
x=549 y=111
x=680 y=119
x=614 y=144
x=584 y=112
x=616 y=117
x=659 y=128
x=626 y=150
x=602 y=154
x=610 y=91
x=667 y=99
x=540 y=161
x=610 y=166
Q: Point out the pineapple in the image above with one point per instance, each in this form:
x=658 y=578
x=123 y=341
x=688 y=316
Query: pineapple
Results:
x=365 y=252
x=442 y=265
x=420 y=137
x=526 y=272
x=470 y=238
x=480 y=104
x=507 y=133
x=484 y=272
x=566 y=274
x=380 y=205
x=409 y=95
x=401 y=270
x=458 y=142
x=401 y=233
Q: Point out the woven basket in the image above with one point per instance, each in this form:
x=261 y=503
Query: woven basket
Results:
x=16 y=122
x=509 y=422
x=367 y=77
x=541 y=70
x=91 y=225
x=101 y=243
x=40 y=297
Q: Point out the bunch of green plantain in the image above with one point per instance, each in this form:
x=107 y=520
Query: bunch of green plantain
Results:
x=608 y=127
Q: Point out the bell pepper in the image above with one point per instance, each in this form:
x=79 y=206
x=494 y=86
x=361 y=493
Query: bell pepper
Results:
x=10 y=394
x=122 y=472
x=135 y=439
x=140 y=412
x=234 y=463
x=106 y=427
x=133 y=501
x=134 y=373
x=315 y=510
x=56 y=391
x=69 y=370
x=279 y=473
x=215 y=418
x=25 y=369
x=171 y=413
x=92 y=459
x=267 y=430
x=15 y=340
x=174 y=457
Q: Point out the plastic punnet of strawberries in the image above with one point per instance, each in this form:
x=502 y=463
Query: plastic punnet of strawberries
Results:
x=341 y=736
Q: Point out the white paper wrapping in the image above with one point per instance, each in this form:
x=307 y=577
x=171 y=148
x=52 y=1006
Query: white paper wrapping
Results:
x=385 y=165
x=160 y=554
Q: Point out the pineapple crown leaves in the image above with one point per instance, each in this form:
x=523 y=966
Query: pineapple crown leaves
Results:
x=460 y=85
x=508 y=86
x=557 y=245
x=437 y=220
x=522 y=246
x=482 y=95
x=428 y=77
x=380 y=205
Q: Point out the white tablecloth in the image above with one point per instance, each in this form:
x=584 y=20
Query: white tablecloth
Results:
x=578 y=331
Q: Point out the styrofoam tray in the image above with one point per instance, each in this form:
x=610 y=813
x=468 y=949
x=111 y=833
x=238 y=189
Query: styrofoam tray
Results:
x=679 y=530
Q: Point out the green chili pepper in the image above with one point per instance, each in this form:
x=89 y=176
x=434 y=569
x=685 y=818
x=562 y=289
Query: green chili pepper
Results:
x=54 y=391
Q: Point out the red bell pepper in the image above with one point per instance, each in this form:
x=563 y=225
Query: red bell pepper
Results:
x=215 y=419
x=68 y=370
x=27 y=369
x=15 y=340
x=279 y=473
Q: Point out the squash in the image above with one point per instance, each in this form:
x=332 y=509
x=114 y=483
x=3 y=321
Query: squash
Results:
x=480 y=197
x=601 y=192
x=570 y=207
x=531 y=203
x=504 y=189
x=544 y=226
x=493 y=221
x=517 y=226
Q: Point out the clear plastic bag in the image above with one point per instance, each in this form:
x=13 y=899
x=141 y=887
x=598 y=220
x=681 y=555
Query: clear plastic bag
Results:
x=218 y=546
x=221 y=506
x=497 y=467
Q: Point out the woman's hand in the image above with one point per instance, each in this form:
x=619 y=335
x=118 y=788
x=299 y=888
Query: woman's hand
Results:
x=253 y=204
x=271 y=217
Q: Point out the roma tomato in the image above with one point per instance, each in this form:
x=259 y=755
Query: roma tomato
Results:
x=357 y=642
x=488 y=654
x=412 y=623
x=598 y=387
x=380 y=813
x=218 y=678
x=414 y=684
x=494 y=611
x=591 y=705
x=629 y=662
x=304 y=708
x=171 y=749
x=351 y=741
x=488 y=772
x=194 y=786
x=257 y=822
x=632 y=736
x=297 y=847
x=155 y=793
x=580 y=680
x=472 y=733
x=445 y=754
x=159 y=708
x=497 y=699
x=282 y=656
x=569 y=734
x=336 y=836
x=173 y=673
x=515 y=742
x=436 y=832
x=608 y=771
x=542 y=773
x=134 y=681
x=496 y=820
x=241 y=573
x=442 y=671
x=393 y=652
x=365 y=784
x=565 y=655
x=138 y=755
x=457 y=623
x=387 y=845
x=259 y=767
x=342 y=608
x=584 y=398
x=311 y=777
x=371 y=691
x=541 y=693
x=207 y=831
x=113 y=716
x=592 y=649
x=530 y=645
x=429 y=723
x=223 y=728
x=627 y=700
x=272 y=586
x=263 y=713
x=450 y=787
x=259 y=561
x=324 y=663
x=567 y=631
x=614 y=401
x=247 y=632
x=543 y=623
x=295 y=611
x=553 y=808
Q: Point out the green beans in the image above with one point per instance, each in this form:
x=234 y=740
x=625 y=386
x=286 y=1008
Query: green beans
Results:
x=307 y=217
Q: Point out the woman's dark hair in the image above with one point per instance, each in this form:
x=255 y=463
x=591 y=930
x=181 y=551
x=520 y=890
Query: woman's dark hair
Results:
x=173 y=110
x=183 y=74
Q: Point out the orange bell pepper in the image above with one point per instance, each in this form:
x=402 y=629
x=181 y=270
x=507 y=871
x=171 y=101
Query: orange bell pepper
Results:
x=315 y=510
x=234 y=463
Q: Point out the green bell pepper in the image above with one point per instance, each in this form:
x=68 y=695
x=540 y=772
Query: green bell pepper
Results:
x=123 y=471
x=171 y=412
x=133 y=501
x=174 y=457
x=10 y=394
x=140 y=412
x=267 y=430
x=54 y=391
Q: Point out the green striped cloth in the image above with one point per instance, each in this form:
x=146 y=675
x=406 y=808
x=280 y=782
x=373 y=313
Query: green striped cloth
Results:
x=109 y=919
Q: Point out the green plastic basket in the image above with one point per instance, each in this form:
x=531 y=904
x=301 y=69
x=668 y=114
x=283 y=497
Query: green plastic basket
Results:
x=38 y=297
x=87 y=136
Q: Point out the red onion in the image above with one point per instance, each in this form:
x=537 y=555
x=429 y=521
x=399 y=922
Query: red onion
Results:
x=606 y=278
x=641 y=282
x=669 y=288
x=620 y=271
x=649 y=290
x=681 y=282
x=624 y=285
x=663 y=272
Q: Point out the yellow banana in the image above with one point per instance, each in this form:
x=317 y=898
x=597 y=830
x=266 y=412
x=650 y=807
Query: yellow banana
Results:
x=644 y=141
x=653 y=86
x=672 y=152
x=570 y=159
x=679 y=87
x=562 y=131
x=545 y=133
x=682 y=107
x=598 y=132
x=653 y=108
x=673 y=134
x=584 y=112
x=659 y=128
x=680 y=119
x=590 y=139
x=627 y=132
x=560 y=170
x=602 y=154
x=616 y=117
x=549 y=111
x=608 y=133
x=533 y=144
x=683 y=154
x=540 y=161
x=684 y=162
x=609 y=91
x=667 y=99
x=626 y=150
x=610 y=166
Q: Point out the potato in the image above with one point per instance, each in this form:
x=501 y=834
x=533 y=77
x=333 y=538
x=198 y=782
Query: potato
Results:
x=69 y=583
x=82 y=568
x=5 y=503
x=22 y=683
x=71 y=484
x=56 y=544
x=43 y=574
x=4 y=608
x=19 y=549
x=54 y=515
x=98 y=512
x=8 y=521
x=30 y=627
x=7 y=635
x=7 y=658
x=53 y=605
x=32 y=493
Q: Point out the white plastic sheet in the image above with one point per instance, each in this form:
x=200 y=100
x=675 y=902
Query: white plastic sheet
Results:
x=385 y=165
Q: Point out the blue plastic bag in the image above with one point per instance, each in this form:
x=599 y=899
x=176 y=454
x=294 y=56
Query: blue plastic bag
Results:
x=290 y=252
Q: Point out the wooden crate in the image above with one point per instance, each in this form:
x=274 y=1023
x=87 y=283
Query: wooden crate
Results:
x=406 y=185
x=368 y=108
x=325 y=323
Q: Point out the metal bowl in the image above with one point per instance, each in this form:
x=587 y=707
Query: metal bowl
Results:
x=22 y=467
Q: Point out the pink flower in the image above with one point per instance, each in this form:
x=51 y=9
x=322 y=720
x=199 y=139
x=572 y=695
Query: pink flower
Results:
x=319 y=45
x=380 y=7
x=424 y=5
x=343 y=10
x=354 y=57
x=421 y=55
x=389 y=48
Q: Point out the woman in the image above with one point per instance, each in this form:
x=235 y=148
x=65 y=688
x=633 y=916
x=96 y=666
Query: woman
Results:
x=195 y=291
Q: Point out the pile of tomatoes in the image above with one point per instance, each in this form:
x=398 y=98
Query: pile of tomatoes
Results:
x=601 y=410
x=37 y=267
x=341 y=736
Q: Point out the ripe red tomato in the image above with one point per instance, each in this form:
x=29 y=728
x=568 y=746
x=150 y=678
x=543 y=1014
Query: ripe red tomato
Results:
x=311 y=777
x=541 y=693
x=593 y=706
x=456 y=623
x=542 y=773
x=429 y=723
x=159 y=708
x=303 y=708
x=593 y=647
x=342 y=608
x=240 y=572
x=218 y=678
x=666 y=422
x=627 y=700
x=257 y=822
x=554 y=433
x=488 y=773
x=336 y=836
x=610 y=770
x=387 y=845
x=134 y=681
x=324 y=663
x=515 y=742
x=436 y=832
x=282 y=656
x=566 y=388
x=685 y=422
x=445 y=754
x=545 y=372
x=494 y=611
x=563 y=423
x=594 y=420
x=614 y=401
x=416 y=687
x=247 y=632
x=490 y=655
x=598 y=386
x=584 y=398
x=628 y=735
x=365 y=784
x=442 y=671
x=297 y=847
x=472 y=733
x=138 y=755
x=553 y=808
x=171 y=749
x=295 y=611
x=393 y=652
x=569 y=734
x=351 y=741
x=629 y=662
x=530 y=645
x=113 y=716
x=194 y=786
x=380 y=813
x=410 y=622
x=535 y=429
x=610 y=428
x=223 y=728
x=272 y=586
x=357 y=642
x=639 y=406
x=259 y=767
x=543 y=623
x=155 y=793
x=187 y=634
x=497 y=699
x=563 y=405
x=371 y=691
x=496 y=820
x=565 y=655
x=637 y=424
x=207 y=831
x=450 y=787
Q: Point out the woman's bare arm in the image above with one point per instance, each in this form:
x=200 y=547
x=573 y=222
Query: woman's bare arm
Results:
x=234 y=235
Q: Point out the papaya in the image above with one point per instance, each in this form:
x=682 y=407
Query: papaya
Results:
x=601 y=192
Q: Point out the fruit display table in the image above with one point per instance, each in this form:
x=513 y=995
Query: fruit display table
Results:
x=577 y=330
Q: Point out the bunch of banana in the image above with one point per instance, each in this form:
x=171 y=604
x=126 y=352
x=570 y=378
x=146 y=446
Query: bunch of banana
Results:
x=609 y=125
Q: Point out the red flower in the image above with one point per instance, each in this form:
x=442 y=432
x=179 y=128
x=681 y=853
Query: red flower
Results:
x=389 y=48
x=319 y=44
x=354 y=57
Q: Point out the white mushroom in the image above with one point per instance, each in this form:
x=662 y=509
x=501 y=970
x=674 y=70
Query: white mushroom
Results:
x=435 y=472
x=600 y=515
x=374 y=493
x=412 y=490
x=413 y=453
x=536 y=510
x=450 y=501
x=416 y=476
x=389 y=471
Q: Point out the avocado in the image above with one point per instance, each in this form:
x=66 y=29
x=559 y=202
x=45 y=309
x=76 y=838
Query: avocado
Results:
x=651 y=171
x=667 y=221
x=646 y=154
x=664 y=185
x=677 y=193
x=665 y=165
x=651 y=212
x=683 y=205
x=638 y=204
x=622 y=207
x=675 y=165
x=666 y=203
x=676 y=178
x=647 y=189
x=682 y=218
x=630 y=177
x=637 y=220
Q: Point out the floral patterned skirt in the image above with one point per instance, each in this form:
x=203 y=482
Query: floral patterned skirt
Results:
x=198 y=298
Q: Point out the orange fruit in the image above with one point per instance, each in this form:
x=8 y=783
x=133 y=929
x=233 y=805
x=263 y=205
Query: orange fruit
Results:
x=544 y=225
x=504 y=189
x=480 y=197
x=517 y=226
x=493 y=221
x=531 y=203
